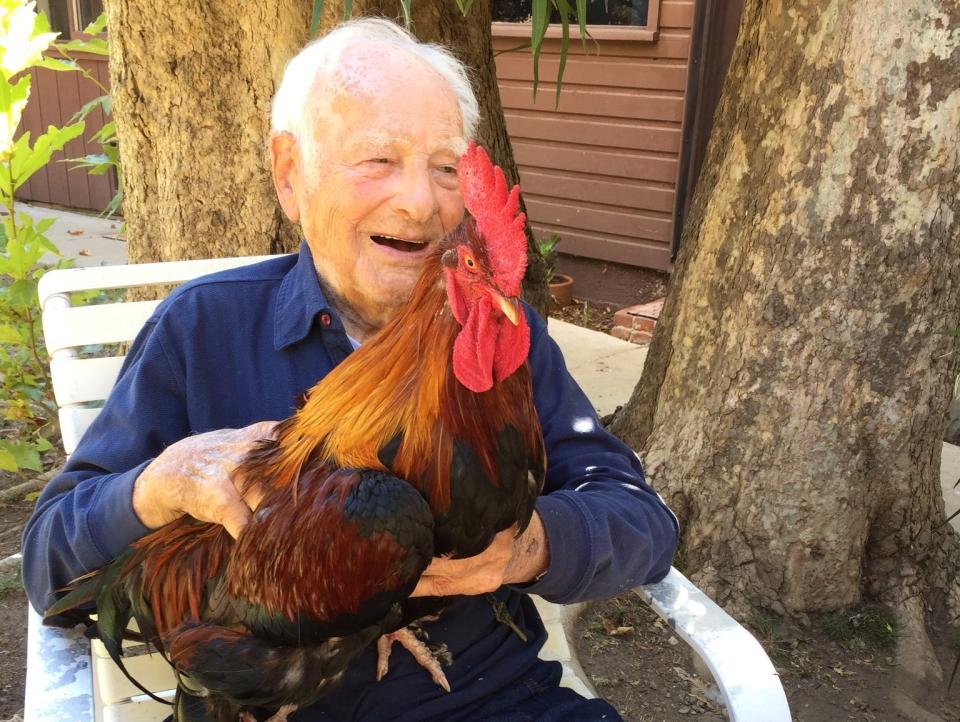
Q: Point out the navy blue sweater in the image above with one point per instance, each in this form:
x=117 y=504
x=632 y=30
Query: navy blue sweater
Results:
x=240 y=346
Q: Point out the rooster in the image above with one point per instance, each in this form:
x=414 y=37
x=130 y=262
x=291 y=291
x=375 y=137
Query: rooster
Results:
x=424 y=442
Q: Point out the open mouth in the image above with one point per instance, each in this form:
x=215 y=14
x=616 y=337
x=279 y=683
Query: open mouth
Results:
x=399 y=244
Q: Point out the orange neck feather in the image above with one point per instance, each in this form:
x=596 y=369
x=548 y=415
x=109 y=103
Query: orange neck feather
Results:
x=390 y=385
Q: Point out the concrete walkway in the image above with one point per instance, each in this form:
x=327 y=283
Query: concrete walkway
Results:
x=86 y=239
x=607 y=368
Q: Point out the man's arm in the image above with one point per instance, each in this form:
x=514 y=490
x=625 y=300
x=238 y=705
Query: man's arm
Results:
x=606 y=528
x=135 y=469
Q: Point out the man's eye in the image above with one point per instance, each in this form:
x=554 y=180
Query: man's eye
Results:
x=379 y=160
x=449 y=169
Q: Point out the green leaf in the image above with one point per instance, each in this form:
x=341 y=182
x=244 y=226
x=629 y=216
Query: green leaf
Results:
x=95 y=163
x=347 y=9
x=23 y=293
x=97 y=26
x=13 y=99
x=102 y=102
x=405 y=6
x=114 y=204
x=43 y=225
x=26 y=164
x=7 y=461
x=24 y=35
x=9 y=334
x=32 y=496
x=582 y=20
x=540 y=17
x=25 y=456
x=106 y=134
x=42 y=444
x=59 y=64
x=97 y=46
x=315 y=17
x=565 y=11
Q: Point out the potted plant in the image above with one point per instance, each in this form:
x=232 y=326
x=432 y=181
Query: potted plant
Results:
x=561 y=285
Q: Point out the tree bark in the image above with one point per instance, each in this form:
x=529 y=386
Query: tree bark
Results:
x=792 y=403
x=192 y=83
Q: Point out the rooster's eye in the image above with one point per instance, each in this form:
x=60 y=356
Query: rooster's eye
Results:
x=471 y=264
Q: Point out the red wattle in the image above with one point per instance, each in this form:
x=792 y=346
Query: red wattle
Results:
x=513 y=345
x=473 y=351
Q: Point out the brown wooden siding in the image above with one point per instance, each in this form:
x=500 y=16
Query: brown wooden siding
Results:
x=600 y=170
x=54 y=98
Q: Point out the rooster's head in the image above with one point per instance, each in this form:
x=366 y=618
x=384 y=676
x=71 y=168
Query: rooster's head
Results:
x=484 y=260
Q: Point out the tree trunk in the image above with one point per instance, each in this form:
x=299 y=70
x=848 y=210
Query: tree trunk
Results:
x=192 y=83
x=793 y=400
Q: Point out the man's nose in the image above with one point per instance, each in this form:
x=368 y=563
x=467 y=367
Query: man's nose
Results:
x=416 y=195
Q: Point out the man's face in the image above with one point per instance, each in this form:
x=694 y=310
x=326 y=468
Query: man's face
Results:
x=383 y=190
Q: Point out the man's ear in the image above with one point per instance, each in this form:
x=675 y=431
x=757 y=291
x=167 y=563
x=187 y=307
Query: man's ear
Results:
x=284 y=153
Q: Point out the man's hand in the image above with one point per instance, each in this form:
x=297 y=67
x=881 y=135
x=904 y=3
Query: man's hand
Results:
x=508 y=560
x=194 y=476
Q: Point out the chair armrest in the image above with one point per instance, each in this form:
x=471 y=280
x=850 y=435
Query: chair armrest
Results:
x=747 y=680
x=59 y=685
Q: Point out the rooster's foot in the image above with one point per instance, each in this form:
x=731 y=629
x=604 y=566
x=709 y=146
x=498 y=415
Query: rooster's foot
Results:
x=418 y=649
x=281 y=714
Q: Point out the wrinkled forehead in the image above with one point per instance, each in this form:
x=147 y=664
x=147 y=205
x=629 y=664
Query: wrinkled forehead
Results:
x=364 y=97
x=369 y=68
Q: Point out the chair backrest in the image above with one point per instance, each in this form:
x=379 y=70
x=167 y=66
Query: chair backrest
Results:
x=81 y=382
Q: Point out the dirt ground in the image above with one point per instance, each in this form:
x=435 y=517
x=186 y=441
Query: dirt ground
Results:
x=831 y=669
x=13 y=611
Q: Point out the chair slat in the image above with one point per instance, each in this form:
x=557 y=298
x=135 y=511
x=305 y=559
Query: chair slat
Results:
x=89 y=325
x=151 y=670
x=78 y=380
x=141 y=710
x=130 y=276
x=74 y=421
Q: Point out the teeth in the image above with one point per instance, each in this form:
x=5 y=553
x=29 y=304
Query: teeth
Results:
x=398 y=238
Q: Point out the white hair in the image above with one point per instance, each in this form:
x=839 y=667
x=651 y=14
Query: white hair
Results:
x=292 y=103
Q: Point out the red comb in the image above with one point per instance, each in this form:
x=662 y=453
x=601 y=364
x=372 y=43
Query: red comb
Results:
x=484 y=190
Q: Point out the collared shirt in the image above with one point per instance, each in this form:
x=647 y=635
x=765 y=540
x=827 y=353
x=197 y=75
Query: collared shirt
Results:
x=241 y=346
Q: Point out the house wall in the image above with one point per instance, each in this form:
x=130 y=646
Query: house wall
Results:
x=600 y=169
x=54 y=98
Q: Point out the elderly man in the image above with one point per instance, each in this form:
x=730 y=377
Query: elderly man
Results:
x=368 y=126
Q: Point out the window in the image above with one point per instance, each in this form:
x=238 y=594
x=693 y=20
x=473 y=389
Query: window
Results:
x=70 y=17
x=87 y=12
x=56 y=13
x=599 y=12
x=606 y=19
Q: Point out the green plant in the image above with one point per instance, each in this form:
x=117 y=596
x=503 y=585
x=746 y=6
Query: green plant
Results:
x=874 y=627
x=26 y=402
x=547 y=248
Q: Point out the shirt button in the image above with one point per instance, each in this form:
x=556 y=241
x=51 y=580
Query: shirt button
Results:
x=325 y=319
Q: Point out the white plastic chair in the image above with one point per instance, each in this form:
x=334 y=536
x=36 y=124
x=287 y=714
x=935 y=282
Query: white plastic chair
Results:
x=69 y=678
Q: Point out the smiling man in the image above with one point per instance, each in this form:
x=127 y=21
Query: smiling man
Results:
x=374 y=185
x=368 y=126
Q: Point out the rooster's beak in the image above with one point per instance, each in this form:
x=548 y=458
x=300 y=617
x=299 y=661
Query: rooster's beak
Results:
x=509 y=310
